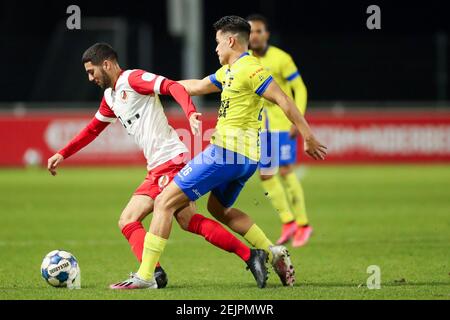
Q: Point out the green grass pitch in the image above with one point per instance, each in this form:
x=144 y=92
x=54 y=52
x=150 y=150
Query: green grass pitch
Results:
x=395 y=217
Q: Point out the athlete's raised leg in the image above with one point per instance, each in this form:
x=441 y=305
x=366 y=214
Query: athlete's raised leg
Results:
x=241 y=223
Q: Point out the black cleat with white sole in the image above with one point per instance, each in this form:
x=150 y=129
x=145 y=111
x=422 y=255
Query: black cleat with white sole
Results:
x=161 y=277
x=257 y=265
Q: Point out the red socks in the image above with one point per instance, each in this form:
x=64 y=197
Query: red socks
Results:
x=135 y=234
x=211 y=230
x=216 y=234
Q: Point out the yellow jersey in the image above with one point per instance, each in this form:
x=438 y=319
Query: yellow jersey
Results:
x=240 y=114
x=284 y=71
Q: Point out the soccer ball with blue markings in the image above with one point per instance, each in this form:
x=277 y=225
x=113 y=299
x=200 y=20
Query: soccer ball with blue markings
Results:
x=60 y=268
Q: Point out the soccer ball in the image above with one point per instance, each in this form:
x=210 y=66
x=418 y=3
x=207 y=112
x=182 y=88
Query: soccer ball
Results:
x=60 y=268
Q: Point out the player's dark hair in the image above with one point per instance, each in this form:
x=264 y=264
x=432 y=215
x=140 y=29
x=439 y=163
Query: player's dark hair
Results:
x=260 y=18
x=234 y=24
x=98 y=53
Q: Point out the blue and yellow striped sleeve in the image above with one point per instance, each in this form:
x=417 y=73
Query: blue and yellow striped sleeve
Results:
x=262 y=88
x=218 y=78
x=289 y=69
x=260 y=79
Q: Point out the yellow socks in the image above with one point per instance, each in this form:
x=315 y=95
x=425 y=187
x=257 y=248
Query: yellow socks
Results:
x=296 y=198
x=279 y=198
x=153 y=247
x=256 y=237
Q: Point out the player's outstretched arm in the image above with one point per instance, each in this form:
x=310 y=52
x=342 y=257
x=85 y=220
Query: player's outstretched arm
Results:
x=86 y=136
x=182 y=97
x=146 y=83
x=300 y=93
x=312 y=146
x=197 y=87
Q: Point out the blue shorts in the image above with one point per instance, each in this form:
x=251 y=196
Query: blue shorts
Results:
x=277 y=149
x=221 y=171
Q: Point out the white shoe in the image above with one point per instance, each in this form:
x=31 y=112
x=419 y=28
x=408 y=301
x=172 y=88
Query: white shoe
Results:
x=282 y=265
x=134 y=282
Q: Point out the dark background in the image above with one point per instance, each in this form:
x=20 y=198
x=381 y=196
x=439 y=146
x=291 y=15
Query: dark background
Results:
x=338 y=57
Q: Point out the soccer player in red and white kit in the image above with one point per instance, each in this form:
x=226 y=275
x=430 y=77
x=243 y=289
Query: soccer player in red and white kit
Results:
x=132 y=97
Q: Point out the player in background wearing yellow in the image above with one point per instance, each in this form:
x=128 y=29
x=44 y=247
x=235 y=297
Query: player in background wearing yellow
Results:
x=278 y=139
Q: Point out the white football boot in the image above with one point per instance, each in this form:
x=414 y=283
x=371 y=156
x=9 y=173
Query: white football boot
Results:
x=282 y=265
x=134 y=282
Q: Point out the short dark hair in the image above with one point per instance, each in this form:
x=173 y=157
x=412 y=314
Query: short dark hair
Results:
x=234 y=24
x=98 y=53
x=260 y=18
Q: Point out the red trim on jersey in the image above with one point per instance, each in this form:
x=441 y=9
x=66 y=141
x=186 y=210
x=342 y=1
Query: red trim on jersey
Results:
x=140 y=85
x=86 y=136
x=179 y=93
x=167 y=87
x=105 y=110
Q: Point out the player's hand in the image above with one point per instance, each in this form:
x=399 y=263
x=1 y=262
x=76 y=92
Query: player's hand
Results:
x=195 y=123
x=314 y=148
x=53 y=162
x=293 y=132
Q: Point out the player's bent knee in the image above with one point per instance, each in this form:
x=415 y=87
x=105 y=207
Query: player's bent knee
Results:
x=124 y=220
x=183 y=221
x=215 y=208
x=130 y=215
x=171 y=200
x=218 y=211
x=137 y=209
x=122 y=223
x=165 y=204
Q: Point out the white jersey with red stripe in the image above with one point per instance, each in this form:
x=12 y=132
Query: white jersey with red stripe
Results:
x=134 y=101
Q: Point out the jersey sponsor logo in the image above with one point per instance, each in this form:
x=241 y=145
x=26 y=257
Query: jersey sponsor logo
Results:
x=228 y=83
x=256 y=72
x=163 y=181
x=224 y=105
x=127 y=123
x=230 y=79
x=123 y=96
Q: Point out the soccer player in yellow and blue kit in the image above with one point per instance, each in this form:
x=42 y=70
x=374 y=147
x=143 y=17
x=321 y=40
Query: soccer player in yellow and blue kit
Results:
x=233 y=155
x=278 y=138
